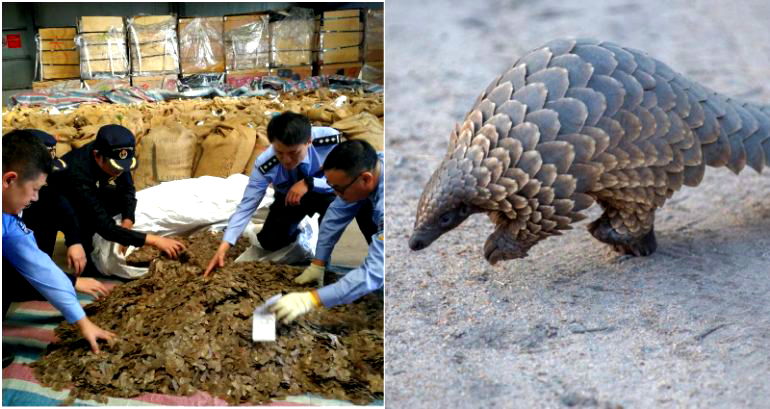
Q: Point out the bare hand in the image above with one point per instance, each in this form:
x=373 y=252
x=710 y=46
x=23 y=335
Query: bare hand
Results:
x=91 y=333
x=92 y=287
x=76 y=258
x=171 y=247
x=218 y=261
x=294 y=195
x=127 y=224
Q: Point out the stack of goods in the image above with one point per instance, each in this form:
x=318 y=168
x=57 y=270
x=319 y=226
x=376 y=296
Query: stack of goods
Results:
x=102 y=44
x=291 y=44
x=179 y=333
x=188 y=138
x=153 y=48
x=373 y=47
x=202 y=51
x=247 y=48
x=58 y=57
x=340 y=39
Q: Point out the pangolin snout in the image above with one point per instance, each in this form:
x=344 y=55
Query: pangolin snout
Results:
x=416 y=244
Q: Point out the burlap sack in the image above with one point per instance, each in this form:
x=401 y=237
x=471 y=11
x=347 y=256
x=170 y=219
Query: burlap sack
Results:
x=363 y=126
x=261 y=144
x=225 y=150
x=174 y=153
x=145 y=175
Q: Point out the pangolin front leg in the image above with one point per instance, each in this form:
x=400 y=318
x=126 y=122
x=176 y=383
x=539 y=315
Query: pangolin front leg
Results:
x=505 y=243
x=628 y=231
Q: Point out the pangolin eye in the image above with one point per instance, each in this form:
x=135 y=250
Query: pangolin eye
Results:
x=445 y=219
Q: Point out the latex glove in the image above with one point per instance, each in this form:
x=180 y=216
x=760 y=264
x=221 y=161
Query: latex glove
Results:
x=92 y=333
x=292 y=305
x=313 y=272
x=91 y=286
x=76 y=258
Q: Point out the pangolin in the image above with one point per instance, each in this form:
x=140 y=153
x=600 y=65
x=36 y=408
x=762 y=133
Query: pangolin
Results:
x=580 y=121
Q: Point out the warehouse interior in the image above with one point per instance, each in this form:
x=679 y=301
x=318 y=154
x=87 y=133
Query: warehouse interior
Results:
x=196 y=86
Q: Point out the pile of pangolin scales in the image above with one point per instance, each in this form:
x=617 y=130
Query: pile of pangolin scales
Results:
x=178 y=333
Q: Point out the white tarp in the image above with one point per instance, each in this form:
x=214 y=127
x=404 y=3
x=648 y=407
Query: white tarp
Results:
x=184 y=206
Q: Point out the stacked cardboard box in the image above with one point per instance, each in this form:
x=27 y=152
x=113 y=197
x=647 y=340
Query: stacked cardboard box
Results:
x=57 y=53
x=291 y=40
x=340 y=37
x=153 y=49
x=201 y=45
x=106 y=84
x=166 y=82
x=102 y=44
x=247 y=47
x=373 y=47
x=57 y=85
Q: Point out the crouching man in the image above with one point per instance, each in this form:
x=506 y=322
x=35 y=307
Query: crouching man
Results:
x=355 y=171
x=26 y=165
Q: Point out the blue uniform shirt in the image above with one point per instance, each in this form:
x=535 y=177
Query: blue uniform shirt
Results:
x=267 y=170
x=20 y=249
x=367 y=277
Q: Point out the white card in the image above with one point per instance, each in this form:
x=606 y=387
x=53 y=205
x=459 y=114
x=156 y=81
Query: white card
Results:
x=263 y=321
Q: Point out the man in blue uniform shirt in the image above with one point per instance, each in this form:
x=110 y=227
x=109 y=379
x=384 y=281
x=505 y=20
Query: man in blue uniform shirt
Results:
x=26 y=164
x=355 y=171
x=47 y=216
x=293 y=165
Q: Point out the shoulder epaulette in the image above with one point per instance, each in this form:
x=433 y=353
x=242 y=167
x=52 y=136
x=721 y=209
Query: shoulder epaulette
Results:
x=265 y=167
x=327 y=140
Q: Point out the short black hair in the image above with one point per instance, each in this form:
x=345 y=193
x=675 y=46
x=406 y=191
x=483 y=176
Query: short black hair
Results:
x=24 y=154
x=352 y=157
x=289 y=128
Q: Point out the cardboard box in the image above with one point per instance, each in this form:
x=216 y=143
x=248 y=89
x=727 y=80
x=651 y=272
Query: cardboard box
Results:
x=373 y=38
x=341 y=36
x=56 y=53
x=57 y=38
x=56 y=85
x=347 y=69
x=153 y=45
x=61 y=57
x=247 y=42
x=100 y=24
x=103 y=54
x=342 y=20
x=373 y=72
x=292 y=73
x=107 y=84
x=54 y=72
x=166 y=82
x=238 y=79
x=201 y=45
x=291 y=39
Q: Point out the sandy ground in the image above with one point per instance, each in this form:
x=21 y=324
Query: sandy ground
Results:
x=574 y=325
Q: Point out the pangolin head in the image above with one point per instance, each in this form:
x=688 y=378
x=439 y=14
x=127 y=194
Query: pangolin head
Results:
x=525 y=191
x=442 y=206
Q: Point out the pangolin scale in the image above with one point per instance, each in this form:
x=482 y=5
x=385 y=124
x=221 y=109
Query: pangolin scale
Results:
x=577 y=122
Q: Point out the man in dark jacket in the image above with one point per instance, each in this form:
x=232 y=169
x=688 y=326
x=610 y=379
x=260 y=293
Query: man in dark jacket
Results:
x=99 y=187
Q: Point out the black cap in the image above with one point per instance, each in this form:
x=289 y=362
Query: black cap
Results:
x=50 y=142
x=116 y=144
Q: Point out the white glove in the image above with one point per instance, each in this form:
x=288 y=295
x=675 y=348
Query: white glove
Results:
x=292 y=305
x=313 y=272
